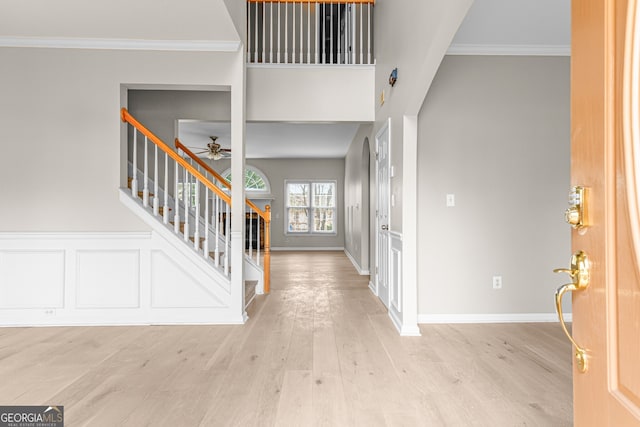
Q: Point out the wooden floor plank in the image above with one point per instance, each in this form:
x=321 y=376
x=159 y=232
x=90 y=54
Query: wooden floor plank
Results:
x=319 y=350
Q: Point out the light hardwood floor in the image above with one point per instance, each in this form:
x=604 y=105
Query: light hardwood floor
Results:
x=319 y=350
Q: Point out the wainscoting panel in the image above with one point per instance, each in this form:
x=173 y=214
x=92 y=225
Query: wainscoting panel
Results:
x=395 y=280
x=175 y=287
x=108 y=279
x=32 y=279
x=49 y=279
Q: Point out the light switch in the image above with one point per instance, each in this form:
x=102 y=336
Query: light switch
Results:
x=393 y=200
x=393 y=171
x=451 y=200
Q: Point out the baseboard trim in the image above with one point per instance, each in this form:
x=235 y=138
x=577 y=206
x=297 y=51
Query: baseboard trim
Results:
x=355 y=264
x=307 y=248
x=492 y=318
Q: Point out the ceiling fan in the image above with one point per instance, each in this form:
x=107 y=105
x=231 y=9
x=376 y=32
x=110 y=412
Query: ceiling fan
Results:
x=214 y=151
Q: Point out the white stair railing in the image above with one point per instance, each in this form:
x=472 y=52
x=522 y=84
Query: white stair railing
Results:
x=191 y=187
x=310 y=32
x=258 y=221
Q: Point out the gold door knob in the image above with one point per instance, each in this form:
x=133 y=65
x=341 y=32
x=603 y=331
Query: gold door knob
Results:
x=579 y=273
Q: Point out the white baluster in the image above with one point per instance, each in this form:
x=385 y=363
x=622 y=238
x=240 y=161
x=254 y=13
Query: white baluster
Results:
x=156 y=185
x=271 y=32
x=368 y=33
x=176 y=200
x=293 y=32
x=206 y=223
x=227 y=239
x=216 y=213
x=353 y=34
x=196 y=234
x=308 y=32
x=165 y=209
x=186 y=196
x=134 y=181
x=331 y=33
x=339 y=61
x=255 y=47
x=286 y=33
x=317 y=24
x=301 y=60
x=258 y=239
x=279 y=39
x=264 y=34
x=145 y=190
x=250 y=232
x=361 y=22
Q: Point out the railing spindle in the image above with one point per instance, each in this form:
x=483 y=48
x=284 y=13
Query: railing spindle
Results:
x=206 y=223
x=293 y=32
x=165 y=209
x=176 y=199
x=156 y=184
x=227 y=238
x=317 y=48
x=308 y=32
x=145 y=190
x=331 y=33
x=286 y=33
x=217 y=214
x=301 y=33
x=255 y=20
x=271 y=32
x=339 y=61
x=368 y=33
x=279 y=39
x=186 y=195
x=361 y=50
x=196 y=233
x=264 y=32
x=250 y=232
x=134 y=181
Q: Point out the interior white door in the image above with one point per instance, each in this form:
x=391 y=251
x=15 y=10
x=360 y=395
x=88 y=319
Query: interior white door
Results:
x=382 y=218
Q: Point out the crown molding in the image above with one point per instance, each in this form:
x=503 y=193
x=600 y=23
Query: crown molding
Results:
x=121 y=44
x=509 y=49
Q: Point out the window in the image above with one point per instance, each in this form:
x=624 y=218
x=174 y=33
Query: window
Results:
x=310 y=207
x=254 y=180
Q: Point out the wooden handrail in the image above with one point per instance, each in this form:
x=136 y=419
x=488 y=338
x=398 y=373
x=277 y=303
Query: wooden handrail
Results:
x=128 y=118
x=313 y=1
x=219 y=177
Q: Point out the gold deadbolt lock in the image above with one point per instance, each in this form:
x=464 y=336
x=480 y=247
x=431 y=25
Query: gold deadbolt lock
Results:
x=576 y=214
x=579 y=273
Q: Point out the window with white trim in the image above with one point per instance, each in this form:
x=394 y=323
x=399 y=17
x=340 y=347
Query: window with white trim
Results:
x=310 y=207
x=255 y=181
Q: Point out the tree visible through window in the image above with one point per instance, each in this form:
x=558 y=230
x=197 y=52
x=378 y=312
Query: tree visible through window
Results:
x=311 y=207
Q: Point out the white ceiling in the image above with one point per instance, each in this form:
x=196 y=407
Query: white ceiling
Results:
x=516 y=23
x=275 y=140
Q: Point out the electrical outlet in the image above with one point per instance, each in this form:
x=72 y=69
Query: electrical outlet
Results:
x=497 y=282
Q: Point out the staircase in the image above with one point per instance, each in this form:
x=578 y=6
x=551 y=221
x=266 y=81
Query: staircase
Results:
x=183 y=203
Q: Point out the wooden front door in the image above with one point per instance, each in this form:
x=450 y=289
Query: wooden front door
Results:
x=605 y=159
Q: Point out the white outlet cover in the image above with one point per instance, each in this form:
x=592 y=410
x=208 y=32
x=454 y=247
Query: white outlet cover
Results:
x=451 y=200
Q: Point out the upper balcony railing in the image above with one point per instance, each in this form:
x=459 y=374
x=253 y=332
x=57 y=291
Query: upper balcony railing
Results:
x=310 y=32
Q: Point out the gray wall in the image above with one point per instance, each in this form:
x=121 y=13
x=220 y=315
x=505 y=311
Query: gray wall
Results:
x=279 y=170
x=356 y=196
x=494 y=131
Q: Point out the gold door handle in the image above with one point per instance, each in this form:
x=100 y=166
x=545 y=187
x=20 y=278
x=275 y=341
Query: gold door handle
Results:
x=579 y=273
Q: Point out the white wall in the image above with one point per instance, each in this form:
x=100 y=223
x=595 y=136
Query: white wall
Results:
x=142 y=20
x=310 y=93
x=494 y=131
x=62 y=131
